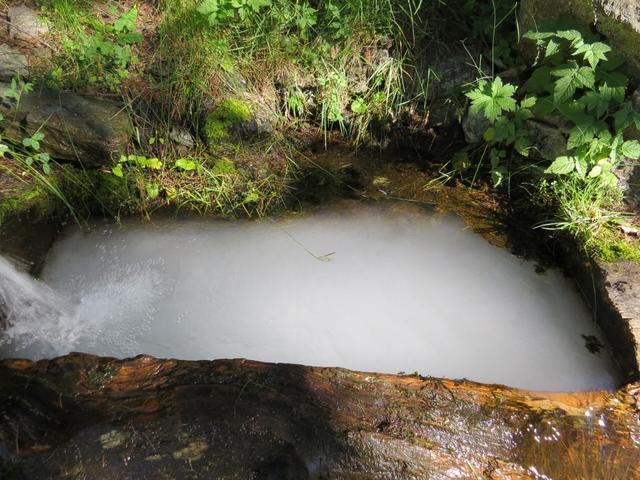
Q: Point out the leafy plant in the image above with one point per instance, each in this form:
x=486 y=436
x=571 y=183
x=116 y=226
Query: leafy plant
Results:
x=492 y=98
x=95 y=52
x=25 y=149
x=220 y=11
x=576 y=80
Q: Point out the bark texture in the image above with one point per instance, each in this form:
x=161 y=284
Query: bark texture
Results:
x=81 y=416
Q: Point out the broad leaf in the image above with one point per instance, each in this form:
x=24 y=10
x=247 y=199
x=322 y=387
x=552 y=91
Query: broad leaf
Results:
x=117 y=171
x=185 y=164
x=153 y=190
x=492 y=98
x=571 y=76
x=553 y=47
x=562 y=165
x=631 y=149
x=593 y=52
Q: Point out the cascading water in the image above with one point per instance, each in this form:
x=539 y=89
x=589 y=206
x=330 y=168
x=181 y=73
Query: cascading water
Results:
x=366 y=288
x=32 y=313
x=40 y=322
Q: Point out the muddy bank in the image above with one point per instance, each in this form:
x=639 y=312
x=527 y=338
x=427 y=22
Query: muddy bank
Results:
x=87 y=417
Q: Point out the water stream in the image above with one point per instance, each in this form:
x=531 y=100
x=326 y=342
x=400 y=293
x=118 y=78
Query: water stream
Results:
x=390 y=289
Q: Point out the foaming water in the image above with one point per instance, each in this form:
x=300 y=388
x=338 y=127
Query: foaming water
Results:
x=367 y=288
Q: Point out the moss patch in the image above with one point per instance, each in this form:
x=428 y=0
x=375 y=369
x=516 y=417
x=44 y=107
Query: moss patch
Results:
x=610 y=246
x=220 y=122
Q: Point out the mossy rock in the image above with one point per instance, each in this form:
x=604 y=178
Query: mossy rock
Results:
x=233 y=121
x=617 y=20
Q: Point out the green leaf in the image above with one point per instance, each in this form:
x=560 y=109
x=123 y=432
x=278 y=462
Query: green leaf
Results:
x=553 y=47
x=153 y=163
x=608 y=180
x=528 y=102
x=562 y=165
x=492 y=99
x=251 y=197
x=186 y=165
x=534 y=35
x=540 y=81
x=117 y=171
x=581 y=166
x=358 y=106
x=208 y=7
x=131 y=37
x=572 y=35
x=631 y=149
x=585 y=131
x=595 y=171
x=593 y=52
x=522 y=146
x=127 y=22
x=153 y=190
x=497 y=175
x=571 y=77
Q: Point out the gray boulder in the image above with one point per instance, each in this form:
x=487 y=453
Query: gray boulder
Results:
x=87 y=130
x=548 y=139
x=474 y=124
x=12 y=63
x=24 y=24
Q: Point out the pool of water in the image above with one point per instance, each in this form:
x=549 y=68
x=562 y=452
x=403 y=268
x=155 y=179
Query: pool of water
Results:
x=373 y=288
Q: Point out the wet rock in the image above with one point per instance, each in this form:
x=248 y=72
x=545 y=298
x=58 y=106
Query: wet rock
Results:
x=619 y=310
x=474 y=124
x=24 y=24
x=12 y=63
x=244 y=419
x=87 y=130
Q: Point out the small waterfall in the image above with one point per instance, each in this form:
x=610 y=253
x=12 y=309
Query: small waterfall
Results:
x=30 y=309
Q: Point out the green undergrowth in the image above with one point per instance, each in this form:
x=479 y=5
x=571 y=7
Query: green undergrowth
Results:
x=205 y=184
x=354 y=68
x=94 y=45
x=344 y=65
x=190 y=186
x=577 y=92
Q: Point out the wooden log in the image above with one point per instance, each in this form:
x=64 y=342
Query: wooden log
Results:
x=81 y=416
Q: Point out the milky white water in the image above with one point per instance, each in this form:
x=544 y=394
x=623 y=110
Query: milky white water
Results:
x=367 y=288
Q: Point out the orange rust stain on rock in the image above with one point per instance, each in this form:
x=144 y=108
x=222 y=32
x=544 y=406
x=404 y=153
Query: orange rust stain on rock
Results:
x=141 y=372
x=17 y=364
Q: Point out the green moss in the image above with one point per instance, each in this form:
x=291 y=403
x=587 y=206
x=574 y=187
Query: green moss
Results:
x=219 y=122
x=534 y=12
x=224 y=166
x=35 y=201
x=609 y=246
x=624 y=40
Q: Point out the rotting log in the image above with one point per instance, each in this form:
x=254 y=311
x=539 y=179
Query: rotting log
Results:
x=82 y=416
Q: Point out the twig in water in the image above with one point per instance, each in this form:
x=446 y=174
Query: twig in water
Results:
x=322 y=258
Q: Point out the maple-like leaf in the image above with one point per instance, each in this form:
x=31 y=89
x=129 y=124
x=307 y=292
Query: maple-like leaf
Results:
x=492 y=98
